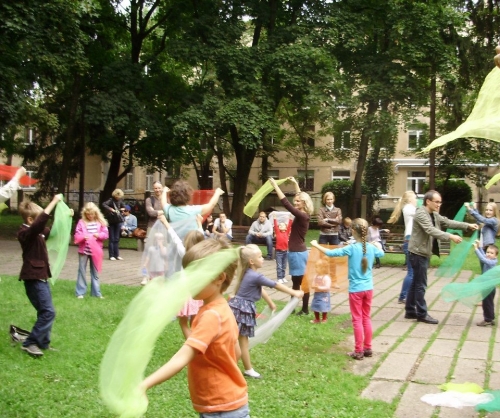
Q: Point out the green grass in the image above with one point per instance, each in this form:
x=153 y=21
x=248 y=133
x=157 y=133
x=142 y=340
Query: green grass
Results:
x=305 y=369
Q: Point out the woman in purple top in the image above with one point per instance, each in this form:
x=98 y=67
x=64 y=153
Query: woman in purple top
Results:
x=302 y=209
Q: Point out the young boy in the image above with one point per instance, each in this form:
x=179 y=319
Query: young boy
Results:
x=488 y=260
x=282 y=233
x=211 y=352
x=35 y=273
x=345 y=231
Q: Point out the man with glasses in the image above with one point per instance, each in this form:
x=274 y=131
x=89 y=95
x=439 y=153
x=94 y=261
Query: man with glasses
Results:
x=428 y=228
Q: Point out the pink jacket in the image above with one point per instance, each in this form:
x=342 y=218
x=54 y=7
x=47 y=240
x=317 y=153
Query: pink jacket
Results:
x=96 y=244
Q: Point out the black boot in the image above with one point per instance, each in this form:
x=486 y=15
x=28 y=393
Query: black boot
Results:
x=305 y=305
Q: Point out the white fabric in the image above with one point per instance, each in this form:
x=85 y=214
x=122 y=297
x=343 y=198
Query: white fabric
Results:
x=7 y=191
x=458 y=400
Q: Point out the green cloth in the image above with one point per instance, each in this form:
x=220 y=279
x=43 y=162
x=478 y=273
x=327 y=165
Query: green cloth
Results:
x=454 y=262
x=253 y=205
x=492 y=406
x=459 y=217
x=484 y=120
x=131 y=346
x=3 y=206
x=466 y=387
x=58 y=241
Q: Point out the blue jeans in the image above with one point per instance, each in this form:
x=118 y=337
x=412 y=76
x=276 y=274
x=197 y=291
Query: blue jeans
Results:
x=267 y=241
x=415 y=300
x=38 y=292
x=81 y=283
x=243 y=412
x=409 y=272
x=329 y=239
x=114 y=239
x=281 y=259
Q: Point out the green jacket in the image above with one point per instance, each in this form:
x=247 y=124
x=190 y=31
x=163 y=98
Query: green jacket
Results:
x=424 y=231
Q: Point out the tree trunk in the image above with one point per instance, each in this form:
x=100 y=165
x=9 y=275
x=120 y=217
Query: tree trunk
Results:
x=113 y=175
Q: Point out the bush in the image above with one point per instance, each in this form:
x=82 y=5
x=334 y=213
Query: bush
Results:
x=454 y=194
x=343 y=191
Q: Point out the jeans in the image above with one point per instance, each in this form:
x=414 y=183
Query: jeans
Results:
x=360 y=304
x=489 y=306
x=38 y=292
x=281 y=259
x=114 y=239
x=329 y=239
x=415 y=299
x=81 y=283
x=243 y=412
x=409 y=272
x=267 y=241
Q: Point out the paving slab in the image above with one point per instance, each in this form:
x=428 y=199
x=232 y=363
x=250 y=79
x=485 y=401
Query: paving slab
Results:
x=451 y=332
x=466 y=412
x=494 y=382
x=433 y=369
x=469 y=370
x=411 y=346
x=458 y=318
x=479 y=333
x=410 y=405
x=424 y=330
x=443 y=348
x=396 y=366
x=382 y=343
x=474 y=350
x=382 y=390
x=397 y=328
x=386 y=314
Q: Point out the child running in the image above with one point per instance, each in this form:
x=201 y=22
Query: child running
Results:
x=248 y=291
x=361 y=256
x=282 y=234
x=211 y=352
x=321 y=287
x=90 y=233
x=488 y=260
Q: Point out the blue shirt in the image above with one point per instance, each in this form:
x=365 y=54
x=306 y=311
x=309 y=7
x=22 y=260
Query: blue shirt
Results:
x=358 y=281
x=489 y=229
x=251 y=285
x=488 y=263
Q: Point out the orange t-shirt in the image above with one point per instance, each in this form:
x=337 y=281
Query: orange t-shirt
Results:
x=216 y=383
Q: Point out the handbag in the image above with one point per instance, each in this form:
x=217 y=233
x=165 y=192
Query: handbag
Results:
x=139 y=233
x=115 y=217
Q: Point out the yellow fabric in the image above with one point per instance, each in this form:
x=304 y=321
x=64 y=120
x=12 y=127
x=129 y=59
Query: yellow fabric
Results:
x=462 y=387
x=252 y=206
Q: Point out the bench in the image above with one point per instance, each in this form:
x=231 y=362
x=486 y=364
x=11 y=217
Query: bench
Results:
x=394 y=243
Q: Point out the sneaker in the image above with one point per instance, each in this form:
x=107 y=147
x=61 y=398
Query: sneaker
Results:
x=324 y=320
x=401 y=301
x=281 y=281
x=315 y=321
x=18 y=335
x=285 y=281
x=485 y=323
x=18 y=338
x=252 y=373
x=268 y=258
x=356 y=355
x=79 y=297
x=301 y=312
x=119 y=258
x=112 y=258
x=32 y=350
x=144 y=281
x=367 y=352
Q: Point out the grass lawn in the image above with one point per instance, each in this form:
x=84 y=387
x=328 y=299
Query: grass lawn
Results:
x=305 y=369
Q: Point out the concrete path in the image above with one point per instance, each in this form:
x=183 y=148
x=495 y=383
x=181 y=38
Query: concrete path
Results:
x=410 y=359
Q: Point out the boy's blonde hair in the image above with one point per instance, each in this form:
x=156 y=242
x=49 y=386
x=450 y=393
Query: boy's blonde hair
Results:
x=91 y=207
x=361 y=227
x=28 y=209
x=347 y=221
x=204 y=249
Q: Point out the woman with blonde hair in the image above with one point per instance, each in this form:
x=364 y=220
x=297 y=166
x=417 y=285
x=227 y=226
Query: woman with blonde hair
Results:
x=302 y=209
x=90 y=233
x=407 y=205
x=329 y=220
x=112 y=211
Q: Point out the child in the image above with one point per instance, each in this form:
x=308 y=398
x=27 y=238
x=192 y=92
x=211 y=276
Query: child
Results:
x=211 y=352
x=361 y=256
x=90 y=233
x=374 y=236
x=155 y=263
x=248 y=291
x=282 y=233
x=35 y=271
x=488 y=261
x=321 y=287
x=490 y=221
x=345 y=231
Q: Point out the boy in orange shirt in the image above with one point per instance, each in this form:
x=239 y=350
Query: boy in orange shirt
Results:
x=211 y=352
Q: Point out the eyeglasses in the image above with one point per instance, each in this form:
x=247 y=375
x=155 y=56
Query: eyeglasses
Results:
x=437 y=202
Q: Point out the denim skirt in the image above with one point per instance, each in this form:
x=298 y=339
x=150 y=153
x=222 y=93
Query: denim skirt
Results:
x=297 y=262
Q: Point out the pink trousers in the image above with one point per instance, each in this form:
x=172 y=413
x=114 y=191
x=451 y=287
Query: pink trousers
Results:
x=360 y=304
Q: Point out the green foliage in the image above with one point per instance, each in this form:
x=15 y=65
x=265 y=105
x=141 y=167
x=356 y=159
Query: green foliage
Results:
x=454 y=194
x=343 y=191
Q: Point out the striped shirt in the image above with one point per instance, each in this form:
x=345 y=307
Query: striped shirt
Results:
x=92 y=228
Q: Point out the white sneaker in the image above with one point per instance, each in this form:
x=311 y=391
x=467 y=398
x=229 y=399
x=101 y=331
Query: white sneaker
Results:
x=252 y=373
x=285 y=281
x=112 y=258
x=119 y=258
x=144 y=281
x=80 y=297
x=281 y=281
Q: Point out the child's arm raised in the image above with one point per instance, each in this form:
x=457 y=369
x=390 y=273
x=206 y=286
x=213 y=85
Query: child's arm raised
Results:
x=315 y=244
x=50 y=207
x=180 y=360
x=268 y=300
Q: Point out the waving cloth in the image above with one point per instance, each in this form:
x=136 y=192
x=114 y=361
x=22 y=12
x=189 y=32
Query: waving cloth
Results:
x=58 y=241
x=131 y=346
x=252 y=206
x=493 y=405
x=484 y=120
x=337 y=270
x=473 y=292
x=7 y=172
x=454 y=262
x=460 y=216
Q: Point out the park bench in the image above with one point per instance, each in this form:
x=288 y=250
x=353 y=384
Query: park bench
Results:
x=394 y=243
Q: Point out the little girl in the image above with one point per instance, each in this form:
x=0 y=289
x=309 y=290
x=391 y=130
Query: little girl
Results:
x=490 y=221
x=282 y=234
x=360 y=262
x=155 y=263
x=248 y=291
x=90 y=232
x=321 y=287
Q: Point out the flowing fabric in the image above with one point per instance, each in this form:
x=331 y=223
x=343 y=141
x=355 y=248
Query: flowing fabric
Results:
x=96 y=253
x=493 y=405
x=473 y=292
x=8 y=171
x=461 y=387
x=459 y=217
x=454 y=262
x=200 y=197
x=58 y=241
x=3 y=206
x=131 y=346
x=337 y=270
x=457 y=400
x=253 y=205
x=268 y=322
x=484 y=120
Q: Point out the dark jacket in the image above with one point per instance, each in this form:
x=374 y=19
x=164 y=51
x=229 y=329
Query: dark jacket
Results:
x=109 y=204
x=35 y=256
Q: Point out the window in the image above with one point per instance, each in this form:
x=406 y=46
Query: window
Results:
x=29 y=136
x=275 y=174
x=129 y=181
x=342 y=140
x=416 y=139
x=416 y=180
x=31 y=173
x=341 y=175
x=306 y=179
x=206 y=183
x=203 y=144
x=149 y=182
